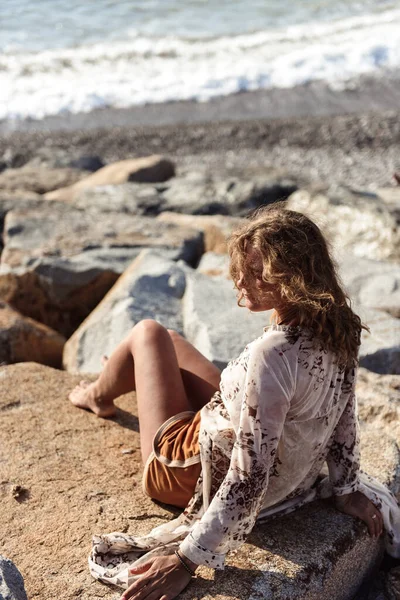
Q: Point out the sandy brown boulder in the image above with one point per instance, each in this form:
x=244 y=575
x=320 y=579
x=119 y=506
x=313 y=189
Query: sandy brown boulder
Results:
x=24 y=340
x=38 y=179
x=66 y=474
x=216 y=228
x=151 y=169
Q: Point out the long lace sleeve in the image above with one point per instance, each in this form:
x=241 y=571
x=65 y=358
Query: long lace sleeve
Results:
x=233 y=511
x=344 y=453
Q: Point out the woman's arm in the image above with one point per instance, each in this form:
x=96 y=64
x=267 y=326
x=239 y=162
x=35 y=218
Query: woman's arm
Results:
x=344 y=464
x=344 y=453
x=233 y=511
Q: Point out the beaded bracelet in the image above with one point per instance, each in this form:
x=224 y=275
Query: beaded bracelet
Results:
x=184 y=564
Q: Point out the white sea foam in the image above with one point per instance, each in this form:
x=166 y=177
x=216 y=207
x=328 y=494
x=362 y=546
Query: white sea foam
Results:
x=145 y=70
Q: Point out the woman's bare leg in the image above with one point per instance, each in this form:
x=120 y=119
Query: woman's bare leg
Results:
x=200 y=376
x=148 y=361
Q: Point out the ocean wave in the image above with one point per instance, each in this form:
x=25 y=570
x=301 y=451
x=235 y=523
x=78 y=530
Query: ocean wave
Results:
x=145 y=70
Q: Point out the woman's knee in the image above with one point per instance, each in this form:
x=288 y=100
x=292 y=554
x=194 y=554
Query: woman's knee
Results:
x=174 y=335
x=148 y=329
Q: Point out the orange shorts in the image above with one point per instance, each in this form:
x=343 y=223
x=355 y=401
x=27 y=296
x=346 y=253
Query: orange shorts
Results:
x=173 y=467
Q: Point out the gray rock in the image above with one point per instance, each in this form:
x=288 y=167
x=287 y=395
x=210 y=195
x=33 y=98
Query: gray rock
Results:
x=152 y=287
x=17 y=199
x=128 y=198
x=150 y=169
x=204 y=195
x=215 y=228
x=380 y=349
x=359 y=223
x=88 y=163
x=59 y=262
x=373 y=284
x=214 y=265
x=192 y=194
x=11 y=581
x=213 y=321
x=38 y=179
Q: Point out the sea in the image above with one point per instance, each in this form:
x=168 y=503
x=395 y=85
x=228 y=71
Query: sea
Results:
x=59 y=57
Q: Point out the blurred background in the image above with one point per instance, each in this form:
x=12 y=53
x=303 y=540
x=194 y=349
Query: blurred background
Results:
x=61 y=57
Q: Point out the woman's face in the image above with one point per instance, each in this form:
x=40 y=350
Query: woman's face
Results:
x=258 y=295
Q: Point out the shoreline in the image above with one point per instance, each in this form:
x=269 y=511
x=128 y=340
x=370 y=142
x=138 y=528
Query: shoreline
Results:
x=350 y=137
x=304 y=101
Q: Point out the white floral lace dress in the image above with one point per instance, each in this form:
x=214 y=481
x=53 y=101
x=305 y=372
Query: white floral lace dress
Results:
x=284 y=409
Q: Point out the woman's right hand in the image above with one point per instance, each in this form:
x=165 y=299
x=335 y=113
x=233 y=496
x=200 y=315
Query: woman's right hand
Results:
x=358 y=505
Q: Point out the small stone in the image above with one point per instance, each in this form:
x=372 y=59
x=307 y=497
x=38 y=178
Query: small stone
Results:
x=19 y=493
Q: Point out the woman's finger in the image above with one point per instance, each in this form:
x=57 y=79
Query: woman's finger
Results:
x=136 y=591
x=380 y=522
x=140 y=568
x=369 y=521
x=376 y=520
x=156 y=595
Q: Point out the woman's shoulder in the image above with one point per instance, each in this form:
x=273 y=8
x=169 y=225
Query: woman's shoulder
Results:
x=283 y=343
x=278 y=337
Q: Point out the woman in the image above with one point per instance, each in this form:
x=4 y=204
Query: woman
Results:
x=252 y=441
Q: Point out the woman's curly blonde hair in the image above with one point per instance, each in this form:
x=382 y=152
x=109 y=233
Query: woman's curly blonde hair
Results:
x=296 y=259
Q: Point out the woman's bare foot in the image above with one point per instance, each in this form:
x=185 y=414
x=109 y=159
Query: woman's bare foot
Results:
x=84 y=396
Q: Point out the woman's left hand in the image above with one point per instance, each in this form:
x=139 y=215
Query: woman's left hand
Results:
x=161 y=578
x=358 y=505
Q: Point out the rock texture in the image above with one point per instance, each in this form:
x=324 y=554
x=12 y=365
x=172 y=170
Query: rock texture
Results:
x=38 y=179
x=59 y=262
x=191 y=193
x=380 y=348
x=11 y=581
x=66 y=474
x=23 y=340
x=150 y=169
x=201 y=307
x=206 y=311
x=152 y=287
x=216 y=228
x=357 y=222
x=373 y=284
x=213 y=321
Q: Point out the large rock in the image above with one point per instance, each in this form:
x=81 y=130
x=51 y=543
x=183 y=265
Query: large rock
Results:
x=359 y=223
x=150 y=169
x=38 y=179
x=213 y=321
x=380 y=348
x=17 y=199
x=216 y=228
x=128 y=198
x=76 y=475
x=24 y=340
x=373 y=284
x=214 y=264
x=152 y=287
x=201 y=307
x=193 y=193
x=202 y=194
x=391 y=196
x=59 y=262
x=11 y=581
